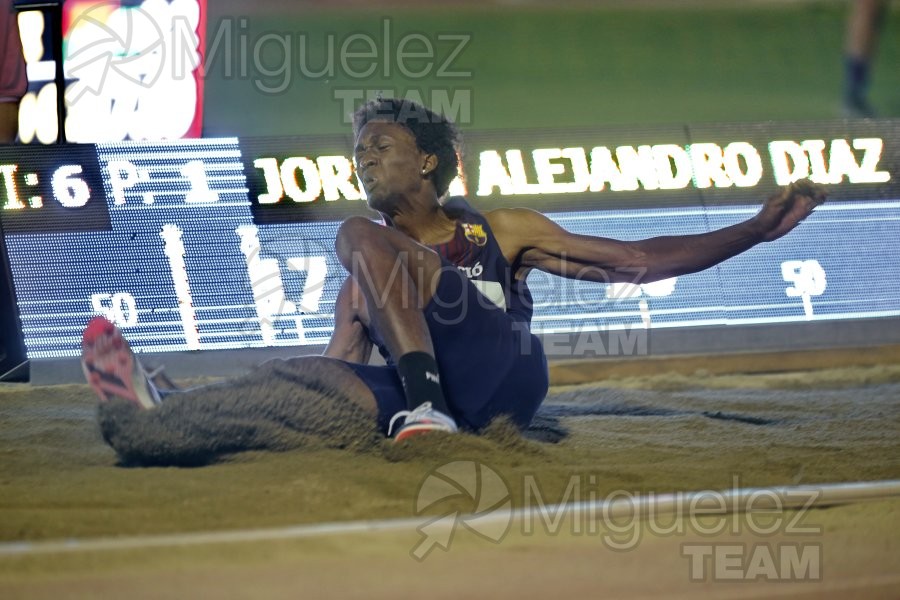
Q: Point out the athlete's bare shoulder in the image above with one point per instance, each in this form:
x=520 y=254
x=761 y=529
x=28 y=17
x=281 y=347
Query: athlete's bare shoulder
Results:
x=515 y=229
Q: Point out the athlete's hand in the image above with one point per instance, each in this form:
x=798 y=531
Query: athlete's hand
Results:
x=786 y=209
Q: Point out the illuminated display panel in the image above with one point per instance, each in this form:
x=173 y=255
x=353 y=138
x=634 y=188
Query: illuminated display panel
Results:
x=227 y=243
x=132 y=69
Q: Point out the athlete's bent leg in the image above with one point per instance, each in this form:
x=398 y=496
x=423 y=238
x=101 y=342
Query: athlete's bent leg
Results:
x=281 y=404
x=310 y=401
x=398 y=278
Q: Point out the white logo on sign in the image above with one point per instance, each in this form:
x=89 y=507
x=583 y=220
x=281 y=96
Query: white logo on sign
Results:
x=134 y=71
x=808 y=278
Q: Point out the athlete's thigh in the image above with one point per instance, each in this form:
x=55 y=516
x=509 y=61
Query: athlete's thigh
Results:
x=422 y=264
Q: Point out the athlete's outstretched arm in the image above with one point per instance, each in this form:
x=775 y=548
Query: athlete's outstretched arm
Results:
x=532 y=241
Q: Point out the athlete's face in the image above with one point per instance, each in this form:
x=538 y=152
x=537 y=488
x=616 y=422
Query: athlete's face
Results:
x=389 y=164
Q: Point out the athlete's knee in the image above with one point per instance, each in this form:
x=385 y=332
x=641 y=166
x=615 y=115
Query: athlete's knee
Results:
x=355 y=237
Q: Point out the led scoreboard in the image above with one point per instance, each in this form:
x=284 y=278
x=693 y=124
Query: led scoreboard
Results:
x=228 y=243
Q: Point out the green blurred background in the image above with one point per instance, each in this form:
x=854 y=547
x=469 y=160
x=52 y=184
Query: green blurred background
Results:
x=543 y=64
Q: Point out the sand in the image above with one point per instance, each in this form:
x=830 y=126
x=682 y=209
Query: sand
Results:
x=665 y=433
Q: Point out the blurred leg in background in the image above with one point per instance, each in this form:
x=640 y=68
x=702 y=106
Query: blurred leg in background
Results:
x=13 y=81
x=9 y=120
x=863 y=28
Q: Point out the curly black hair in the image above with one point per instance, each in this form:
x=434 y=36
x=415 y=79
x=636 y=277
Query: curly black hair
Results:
x=435 y=134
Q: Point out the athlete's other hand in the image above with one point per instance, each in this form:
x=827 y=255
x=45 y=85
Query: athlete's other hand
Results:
x=786 y=209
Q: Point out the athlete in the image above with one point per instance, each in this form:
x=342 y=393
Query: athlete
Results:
x=440 y=289
x=864 y=25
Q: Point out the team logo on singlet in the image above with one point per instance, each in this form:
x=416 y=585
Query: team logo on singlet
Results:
x=475 y=233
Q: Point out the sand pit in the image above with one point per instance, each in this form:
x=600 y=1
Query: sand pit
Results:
x=661 y=434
